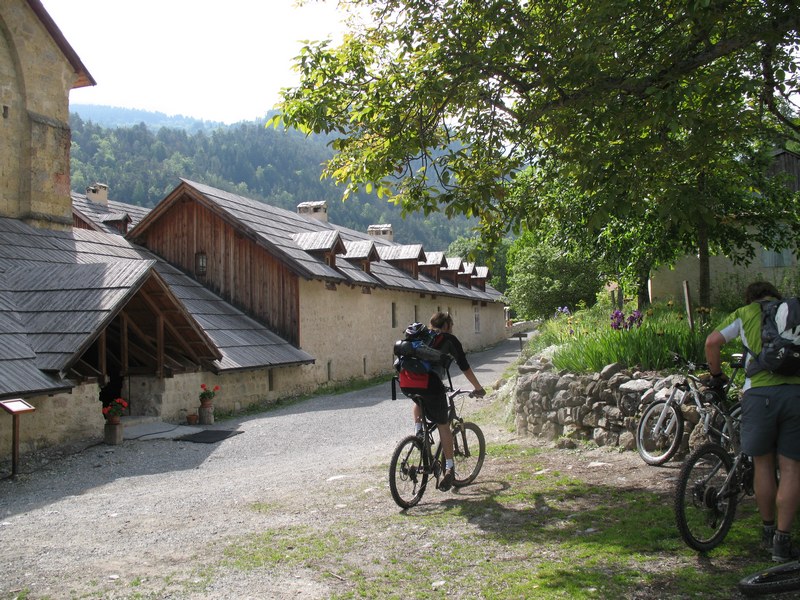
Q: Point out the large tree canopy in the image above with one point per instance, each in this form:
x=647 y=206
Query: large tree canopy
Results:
x=634 y=103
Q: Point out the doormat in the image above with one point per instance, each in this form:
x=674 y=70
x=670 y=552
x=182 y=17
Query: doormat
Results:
x=208 y=436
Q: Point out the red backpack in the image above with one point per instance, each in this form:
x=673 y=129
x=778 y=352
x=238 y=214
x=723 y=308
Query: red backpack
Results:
x=417 y=357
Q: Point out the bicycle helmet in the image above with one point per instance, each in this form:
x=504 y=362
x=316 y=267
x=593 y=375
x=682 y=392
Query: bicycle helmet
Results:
x=415 y=330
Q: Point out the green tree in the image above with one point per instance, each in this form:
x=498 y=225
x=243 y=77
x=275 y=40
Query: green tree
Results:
x=649 y=109
x=543 y=278
x=470 y=248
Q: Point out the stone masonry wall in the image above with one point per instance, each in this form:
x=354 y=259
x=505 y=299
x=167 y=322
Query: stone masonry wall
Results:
x=603 y=407
x=34 y=113
x=352 y=333
x=77 y=419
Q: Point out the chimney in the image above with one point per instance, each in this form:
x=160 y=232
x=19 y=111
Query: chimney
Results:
x=98 y=193
x=383 y=232
x=316 y=210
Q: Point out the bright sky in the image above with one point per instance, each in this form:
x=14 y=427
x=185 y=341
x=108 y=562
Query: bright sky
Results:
x=219 y=61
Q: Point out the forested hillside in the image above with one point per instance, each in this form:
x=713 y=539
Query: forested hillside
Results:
x=142 y=163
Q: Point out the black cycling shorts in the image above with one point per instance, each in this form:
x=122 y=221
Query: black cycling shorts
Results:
x=434 y=401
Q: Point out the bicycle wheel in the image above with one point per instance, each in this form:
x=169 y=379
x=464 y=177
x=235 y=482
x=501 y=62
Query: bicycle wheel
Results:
x=782 y=578
x=657 y=443
x=469 y=450
x=703 y=516
x=407 y=474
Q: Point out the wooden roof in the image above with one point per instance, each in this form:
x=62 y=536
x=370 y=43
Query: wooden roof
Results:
x=295 y=239
x=99 y=216
x=244 y=343
x=59 y=291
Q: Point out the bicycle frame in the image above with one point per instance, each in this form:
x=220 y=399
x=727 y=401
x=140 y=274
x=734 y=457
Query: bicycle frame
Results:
x=430 y=459
x=738 y=482
x=691 y=385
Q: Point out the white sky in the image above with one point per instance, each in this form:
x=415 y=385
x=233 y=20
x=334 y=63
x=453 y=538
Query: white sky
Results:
x=209 y=59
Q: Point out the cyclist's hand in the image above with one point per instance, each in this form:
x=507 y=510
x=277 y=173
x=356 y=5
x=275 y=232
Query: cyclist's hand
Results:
x=717 y=382
x=478 y=393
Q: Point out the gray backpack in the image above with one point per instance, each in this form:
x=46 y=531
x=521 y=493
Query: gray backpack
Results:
x=780 y=339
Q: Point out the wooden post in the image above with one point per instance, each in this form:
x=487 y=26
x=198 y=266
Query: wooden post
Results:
x=113 y=434
x=15 y=408
x=687 y=299
x=206 y=414
x=521 y=336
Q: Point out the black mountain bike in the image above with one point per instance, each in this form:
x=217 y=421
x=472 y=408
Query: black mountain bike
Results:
x=414 y=459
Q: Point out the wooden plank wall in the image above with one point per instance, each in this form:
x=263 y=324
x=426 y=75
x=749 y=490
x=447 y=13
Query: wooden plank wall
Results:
x=239 y=271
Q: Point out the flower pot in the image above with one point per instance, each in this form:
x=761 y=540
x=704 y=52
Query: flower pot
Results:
x=114 y=419
x=206 y=404
x=192 y=419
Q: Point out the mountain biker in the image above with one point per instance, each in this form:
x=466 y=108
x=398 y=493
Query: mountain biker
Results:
x=435 y=396
x=770 y=423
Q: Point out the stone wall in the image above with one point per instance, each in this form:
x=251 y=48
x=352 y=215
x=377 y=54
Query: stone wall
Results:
x=77 y=419
x=34 y=113
x=354 y=332
x=602 y=407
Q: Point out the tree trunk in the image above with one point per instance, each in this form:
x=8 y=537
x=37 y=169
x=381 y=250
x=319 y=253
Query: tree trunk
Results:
x=704 y=293
x=643 y=289
x=705 y=270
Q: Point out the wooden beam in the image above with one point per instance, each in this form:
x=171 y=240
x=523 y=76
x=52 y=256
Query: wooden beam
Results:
x=160 y=347
x=181 y=339
x=101 y=358
x=124 y=346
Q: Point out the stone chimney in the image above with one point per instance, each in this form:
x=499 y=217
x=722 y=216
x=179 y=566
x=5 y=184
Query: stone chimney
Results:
x=98 y=193
x=316 y=210
x=383 y=232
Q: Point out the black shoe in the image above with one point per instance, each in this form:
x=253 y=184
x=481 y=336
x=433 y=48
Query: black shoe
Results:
x=782 y=549
x=447 y=481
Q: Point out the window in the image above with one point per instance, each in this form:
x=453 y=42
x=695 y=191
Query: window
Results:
x=394 y=315
x=416 y=314
x=782 y=258
x=477 y=315
x=270 y=381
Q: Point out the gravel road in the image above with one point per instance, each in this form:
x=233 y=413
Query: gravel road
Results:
x=152 y=510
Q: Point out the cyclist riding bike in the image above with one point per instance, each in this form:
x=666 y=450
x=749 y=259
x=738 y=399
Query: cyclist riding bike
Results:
x=434 y=397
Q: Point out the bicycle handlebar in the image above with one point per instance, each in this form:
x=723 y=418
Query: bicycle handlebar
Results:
x=454 y=393
x=690 y=365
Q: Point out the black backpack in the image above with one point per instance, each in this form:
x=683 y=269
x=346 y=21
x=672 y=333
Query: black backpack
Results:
x=780 y=339
x=417 y=358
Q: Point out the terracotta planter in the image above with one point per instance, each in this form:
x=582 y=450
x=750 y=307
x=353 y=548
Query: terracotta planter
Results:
x=192 y=419
x=206 y=403
x=114 y=419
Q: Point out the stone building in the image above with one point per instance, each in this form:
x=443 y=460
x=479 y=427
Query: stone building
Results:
x=100 y=299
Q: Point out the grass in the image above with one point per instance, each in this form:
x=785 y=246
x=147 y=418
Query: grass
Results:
x=522 y=531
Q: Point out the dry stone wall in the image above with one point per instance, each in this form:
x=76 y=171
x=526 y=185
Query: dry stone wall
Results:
x=602 y=407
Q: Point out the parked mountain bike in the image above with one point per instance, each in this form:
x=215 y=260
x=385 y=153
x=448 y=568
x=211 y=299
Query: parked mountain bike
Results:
x=414 y=459
x=773 y=580
x=659 y=432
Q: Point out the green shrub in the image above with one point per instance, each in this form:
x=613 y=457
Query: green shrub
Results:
x=543 y=279
x=587 y=340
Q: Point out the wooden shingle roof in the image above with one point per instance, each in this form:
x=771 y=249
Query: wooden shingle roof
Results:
x=101 y=216
x=290 y=237
x=59 y=290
